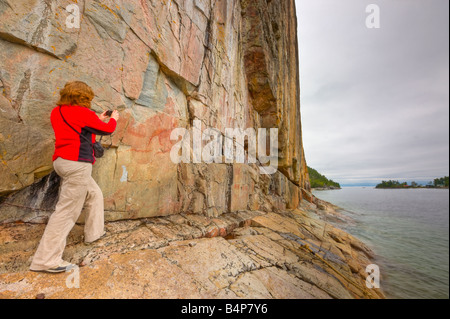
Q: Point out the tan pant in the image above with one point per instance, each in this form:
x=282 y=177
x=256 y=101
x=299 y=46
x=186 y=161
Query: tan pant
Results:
x=77 y=187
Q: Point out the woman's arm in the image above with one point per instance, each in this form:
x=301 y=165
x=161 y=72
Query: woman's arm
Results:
x=96 y=126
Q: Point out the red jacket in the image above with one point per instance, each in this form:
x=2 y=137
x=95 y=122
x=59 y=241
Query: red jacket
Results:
x=70 y=145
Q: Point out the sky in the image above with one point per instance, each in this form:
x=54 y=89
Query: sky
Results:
x=375 y=101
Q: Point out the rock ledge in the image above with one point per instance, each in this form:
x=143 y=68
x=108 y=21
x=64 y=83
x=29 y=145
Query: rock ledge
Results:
x=248 y=254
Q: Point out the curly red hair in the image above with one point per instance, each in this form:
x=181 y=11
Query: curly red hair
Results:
x=76 y=93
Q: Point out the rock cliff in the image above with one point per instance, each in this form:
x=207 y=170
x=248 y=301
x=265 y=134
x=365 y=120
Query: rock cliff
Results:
x=166 y=65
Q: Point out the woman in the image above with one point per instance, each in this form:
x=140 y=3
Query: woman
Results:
x=75 y=127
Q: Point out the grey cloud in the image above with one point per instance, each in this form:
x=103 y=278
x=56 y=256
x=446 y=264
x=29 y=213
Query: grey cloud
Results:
x=375 y=101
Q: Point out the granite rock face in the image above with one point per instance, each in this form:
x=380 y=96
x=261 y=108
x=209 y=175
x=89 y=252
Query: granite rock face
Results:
x=164 y=65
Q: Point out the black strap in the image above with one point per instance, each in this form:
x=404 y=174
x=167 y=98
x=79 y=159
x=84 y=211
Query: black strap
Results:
x=90 y=142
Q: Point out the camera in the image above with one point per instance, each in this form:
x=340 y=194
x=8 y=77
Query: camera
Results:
x=108 y=113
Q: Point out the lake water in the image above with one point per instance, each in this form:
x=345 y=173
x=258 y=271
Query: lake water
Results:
x=407 y=229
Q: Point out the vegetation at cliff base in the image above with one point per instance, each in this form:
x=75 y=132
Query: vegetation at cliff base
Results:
x=317 y=180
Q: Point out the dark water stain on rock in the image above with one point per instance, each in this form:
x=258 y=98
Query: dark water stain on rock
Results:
x=33 y=203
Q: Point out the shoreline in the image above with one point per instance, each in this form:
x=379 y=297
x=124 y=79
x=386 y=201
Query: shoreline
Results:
x=325 y=188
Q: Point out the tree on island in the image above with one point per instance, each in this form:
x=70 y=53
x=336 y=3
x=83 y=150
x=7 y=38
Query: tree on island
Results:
x=438 y=183
x=391 y=184
x=441 y=182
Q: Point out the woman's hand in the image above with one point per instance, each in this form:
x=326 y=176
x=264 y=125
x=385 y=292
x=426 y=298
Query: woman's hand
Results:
x=115 y=115
x=103 y=116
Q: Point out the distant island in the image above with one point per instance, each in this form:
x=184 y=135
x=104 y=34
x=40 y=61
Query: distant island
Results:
x=441 y=182
x=318 y=181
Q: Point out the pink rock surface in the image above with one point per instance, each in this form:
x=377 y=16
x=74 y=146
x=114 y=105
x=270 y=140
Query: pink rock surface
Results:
x=162 y=64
